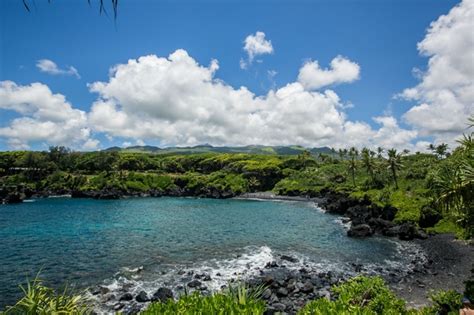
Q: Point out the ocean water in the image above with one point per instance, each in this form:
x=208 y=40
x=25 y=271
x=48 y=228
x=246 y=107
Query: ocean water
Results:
x=84 y=242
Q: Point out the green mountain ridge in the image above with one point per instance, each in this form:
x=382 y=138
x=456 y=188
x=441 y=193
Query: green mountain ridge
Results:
x=206 y=148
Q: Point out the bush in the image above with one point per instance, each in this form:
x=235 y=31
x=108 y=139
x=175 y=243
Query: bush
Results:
x=359 y=295
x=39 y=299
x=238 y=300
x=444 y=302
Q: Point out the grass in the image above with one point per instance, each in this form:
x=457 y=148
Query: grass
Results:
x=360 y=295
x=447 y=226
x=238 y=299
x=41 y=300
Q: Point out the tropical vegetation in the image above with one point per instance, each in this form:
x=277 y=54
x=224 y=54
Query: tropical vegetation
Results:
x=434 y=190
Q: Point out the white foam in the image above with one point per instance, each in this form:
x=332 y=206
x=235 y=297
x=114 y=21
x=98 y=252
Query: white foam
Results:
x=240 y=267
x=340 y=220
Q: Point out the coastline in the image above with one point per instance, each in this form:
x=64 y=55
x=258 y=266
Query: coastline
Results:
x=448 y=261
x=268 y=195
x=449 y=264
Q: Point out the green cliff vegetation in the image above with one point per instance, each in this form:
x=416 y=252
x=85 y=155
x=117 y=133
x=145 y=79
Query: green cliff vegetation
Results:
x=434 y=190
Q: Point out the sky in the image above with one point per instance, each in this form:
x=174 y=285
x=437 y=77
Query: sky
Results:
x=179 y=73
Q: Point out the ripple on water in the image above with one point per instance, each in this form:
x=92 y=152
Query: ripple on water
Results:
x=89 y=242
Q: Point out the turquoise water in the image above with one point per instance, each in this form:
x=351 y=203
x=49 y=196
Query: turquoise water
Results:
x=86 y=242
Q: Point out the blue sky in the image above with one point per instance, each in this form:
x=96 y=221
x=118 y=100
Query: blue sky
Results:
x=379 y=36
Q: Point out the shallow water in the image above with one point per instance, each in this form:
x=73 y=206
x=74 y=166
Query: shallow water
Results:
x=86 y=242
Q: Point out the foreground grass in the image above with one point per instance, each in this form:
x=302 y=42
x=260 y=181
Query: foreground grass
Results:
x=360 y=296
x=240 y=300
x=42 y=300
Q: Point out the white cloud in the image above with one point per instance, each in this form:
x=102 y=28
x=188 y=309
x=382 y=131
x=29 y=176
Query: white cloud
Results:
x=91 y=145
x=49 y=66
x=342 y=70
x=46 y=117
x=391 y=135
x=445 y=95
x=255 y=45
x=179 y=102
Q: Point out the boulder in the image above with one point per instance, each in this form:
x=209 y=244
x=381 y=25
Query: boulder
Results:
x=361 y=230
x=393 y=231
x=282 y=292
x=142 y=297
x=336 y=203
x=388 y=213
x=267 y=293
x=13 y=197
x=126 y=297
x=163 y=294
x=279 y=307
x=194 y=284
x=380 y=225
x=359 y=214
x=407 y=231
x=109 y=194
x=118 y=306
x=307 y=287
x=289 y=258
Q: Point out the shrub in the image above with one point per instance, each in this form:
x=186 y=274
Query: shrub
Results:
x=39 y=299
x=238 y=300
x=359 y=295
x=444 y=302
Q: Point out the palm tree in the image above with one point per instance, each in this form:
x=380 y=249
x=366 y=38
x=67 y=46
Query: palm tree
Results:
x=394 y=164
x=379 y=152
x=441 y=150
x=453 y=184
x=367 y=160
x=341 y=154
x=353 y=153
x=304 y=156
x=431 y=147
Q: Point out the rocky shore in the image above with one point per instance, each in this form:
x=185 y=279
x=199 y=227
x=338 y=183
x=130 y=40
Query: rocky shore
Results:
x=450 y=262
x=364 y=217
x=288 y=284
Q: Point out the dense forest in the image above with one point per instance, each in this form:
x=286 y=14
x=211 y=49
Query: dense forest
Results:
x=432 y=190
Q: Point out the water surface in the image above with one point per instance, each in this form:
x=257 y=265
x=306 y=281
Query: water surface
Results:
x=86 y=242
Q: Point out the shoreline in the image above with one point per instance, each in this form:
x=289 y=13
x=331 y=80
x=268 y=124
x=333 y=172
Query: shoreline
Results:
x=293 y=281
x=449 y=264
x=448 y=261
x=268 y=195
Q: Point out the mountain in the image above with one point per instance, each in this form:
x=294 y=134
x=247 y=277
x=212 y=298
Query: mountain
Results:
x=206 y=148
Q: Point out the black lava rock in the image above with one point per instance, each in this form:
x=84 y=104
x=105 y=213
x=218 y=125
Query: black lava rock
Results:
x=142 y=297
x=361 y=230
x=162 y=295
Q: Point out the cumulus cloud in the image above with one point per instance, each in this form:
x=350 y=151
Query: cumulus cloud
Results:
x=445 y=95
x=342 y=70
x=255 y=45
x=49 y=66
x=179 y=102
x=46 y=118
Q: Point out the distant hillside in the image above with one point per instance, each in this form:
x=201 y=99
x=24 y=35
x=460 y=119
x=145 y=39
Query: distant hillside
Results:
x=254 y=149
